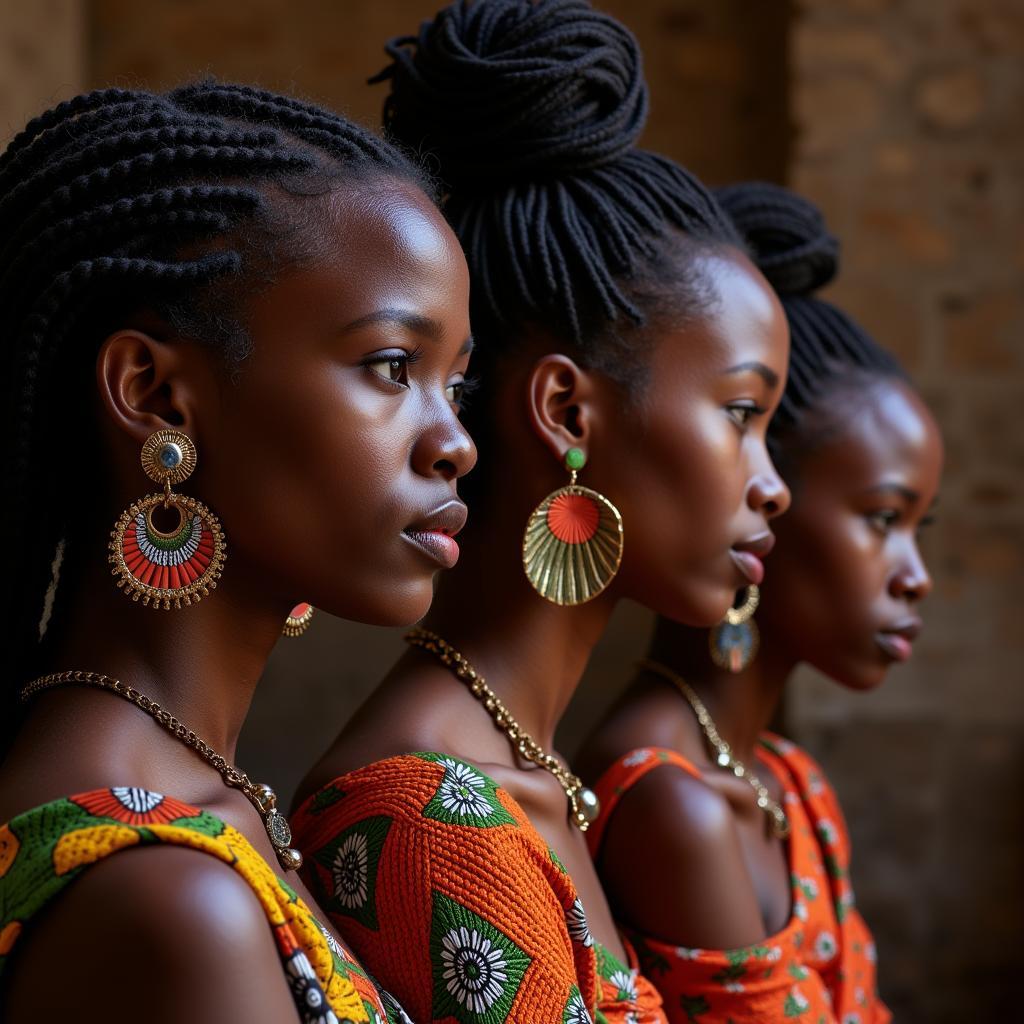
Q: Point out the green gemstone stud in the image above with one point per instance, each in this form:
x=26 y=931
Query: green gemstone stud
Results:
x=575 y=460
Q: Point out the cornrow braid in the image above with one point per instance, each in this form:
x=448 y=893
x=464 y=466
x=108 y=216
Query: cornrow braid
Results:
x=120 y=200
x=530 y=110
x=793 y=248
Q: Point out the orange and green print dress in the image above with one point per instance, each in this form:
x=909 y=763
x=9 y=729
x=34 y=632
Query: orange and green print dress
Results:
x=820 y=969
x=451 y=898
x=45 y=849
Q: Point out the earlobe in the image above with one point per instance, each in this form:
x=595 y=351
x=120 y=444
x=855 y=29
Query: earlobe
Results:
x=143 y=386
x=560 y=396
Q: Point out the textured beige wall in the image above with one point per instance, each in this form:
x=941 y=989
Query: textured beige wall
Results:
x=42 y=58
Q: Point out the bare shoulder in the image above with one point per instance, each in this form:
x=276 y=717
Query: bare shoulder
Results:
x=673 y=864
x=165 y=928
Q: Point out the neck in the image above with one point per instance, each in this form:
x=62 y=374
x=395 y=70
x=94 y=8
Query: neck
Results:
x=742 y=704
x=201 y=663
x=531 y=652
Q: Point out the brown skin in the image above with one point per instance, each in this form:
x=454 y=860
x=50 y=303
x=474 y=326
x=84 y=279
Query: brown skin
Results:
x=846 y=568
x=687 y=468
x=320 y=455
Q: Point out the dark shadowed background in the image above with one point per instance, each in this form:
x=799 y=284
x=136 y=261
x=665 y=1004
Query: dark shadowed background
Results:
x=902 y=118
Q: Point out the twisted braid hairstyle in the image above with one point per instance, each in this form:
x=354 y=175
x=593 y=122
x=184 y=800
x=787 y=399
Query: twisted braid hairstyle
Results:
x=829 y=350
x=530 y=111
x=119 y=201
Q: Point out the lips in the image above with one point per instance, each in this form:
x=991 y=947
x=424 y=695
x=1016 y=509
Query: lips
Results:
x=747 y=556
x=897 y=641
x=434 y=534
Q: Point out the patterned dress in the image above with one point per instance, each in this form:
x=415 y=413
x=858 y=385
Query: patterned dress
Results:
x=45 y=849
x=451 y=897
x=820 y=969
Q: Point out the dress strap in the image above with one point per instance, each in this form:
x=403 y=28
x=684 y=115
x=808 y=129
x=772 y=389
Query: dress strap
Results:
x=625 y=773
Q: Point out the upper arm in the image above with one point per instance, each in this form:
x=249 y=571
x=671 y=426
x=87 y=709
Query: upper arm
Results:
x=673 y=865
x=158 y=933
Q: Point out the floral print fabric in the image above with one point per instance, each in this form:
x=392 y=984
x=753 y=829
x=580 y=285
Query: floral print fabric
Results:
x=45 y=849
x=454 y=901
x=820 y=969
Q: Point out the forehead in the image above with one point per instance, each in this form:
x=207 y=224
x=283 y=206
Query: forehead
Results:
x=880 y=429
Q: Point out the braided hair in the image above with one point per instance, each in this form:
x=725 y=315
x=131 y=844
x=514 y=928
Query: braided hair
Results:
x=530 y=111
x=793 y=248
x=118 y=201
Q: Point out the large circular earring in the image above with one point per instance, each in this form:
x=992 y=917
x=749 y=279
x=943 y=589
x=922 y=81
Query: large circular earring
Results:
x=179 y=559
x=572 y=547
x=733 y=643
x=298 y=619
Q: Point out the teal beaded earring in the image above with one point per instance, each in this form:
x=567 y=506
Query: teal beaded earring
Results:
x=733 y=643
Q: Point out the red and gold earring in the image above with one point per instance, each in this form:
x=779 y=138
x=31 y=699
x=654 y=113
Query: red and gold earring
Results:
x=167 y=549
x=733 y=643
x=298 y=619
x=572 y=547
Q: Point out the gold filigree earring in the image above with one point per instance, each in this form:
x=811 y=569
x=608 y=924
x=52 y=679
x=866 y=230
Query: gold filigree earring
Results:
x=733 y=643
x=572 y=547
x=167 y=549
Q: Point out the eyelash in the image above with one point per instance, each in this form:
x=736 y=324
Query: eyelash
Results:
x=466 y=388
x=747 y=413
x=883 y=520
x=403 y=360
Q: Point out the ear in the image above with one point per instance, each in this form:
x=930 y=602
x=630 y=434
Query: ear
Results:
x=561 y=396
x=146 y=384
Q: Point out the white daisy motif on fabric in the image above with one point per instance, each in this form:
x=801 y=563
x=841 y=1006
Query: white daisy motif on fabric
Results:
x=859 y=997
x=816 y=785
x=474 y=968
x=827 y=831
x=348 y=871
x=637 y=757
x=576 y=922
x=810 y=888
x=461 y=791
x=871 y=953
x=139 y=801
x=825 y=946
x=625 y=982
x=576 y=1012
x=732 y=986
x=774 y=955
x=800 y=910
x=799 y=999
x=308 y=995
x=687 y=953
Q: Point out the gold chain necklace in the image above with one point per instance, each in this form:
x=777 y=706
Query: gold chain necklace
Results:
x=777 y=819
x=261 y=796
x=583 y=802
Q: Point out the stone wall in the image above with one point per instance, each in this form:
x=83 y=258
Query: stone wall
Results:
x=909 y=134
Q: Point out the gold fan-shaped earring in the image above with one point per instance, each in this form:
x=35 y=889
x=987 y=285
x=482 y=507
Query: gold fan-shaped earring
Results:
x=572 y=547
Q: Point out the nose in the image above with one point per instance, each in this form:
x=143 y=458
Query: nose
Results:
x=911 y=581
x=767 y=492
x=444 y=449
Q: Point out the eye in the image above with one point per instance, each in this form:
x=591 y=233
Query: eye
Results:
x=393 y=367
x=883 y=520
x=454 y=392
x=743 y=413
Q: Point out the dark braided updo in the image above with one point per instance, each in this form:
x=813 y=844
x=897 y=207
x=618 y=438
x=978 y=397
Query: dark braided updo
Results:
x=121 y=201
x=531 y=110
x=791 y=245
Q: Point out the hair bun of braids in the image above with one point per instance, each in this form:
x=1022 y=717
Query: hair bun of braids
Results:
x=513 y=89
x=787 y=234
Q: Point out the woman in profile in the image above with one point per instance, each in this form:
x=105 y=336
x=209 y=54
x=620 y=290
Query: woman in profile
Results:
x=723 y=847
x=241 y=320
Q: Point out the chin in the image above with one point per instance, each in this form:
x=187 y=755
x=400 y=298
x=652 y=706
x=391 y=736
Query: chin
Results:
x=395 y=605
x=857 y=673
x=703 y=608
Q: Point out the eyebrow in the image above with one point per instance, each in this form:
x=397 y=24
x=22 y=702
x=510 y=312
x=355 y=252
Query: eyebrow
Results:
x=907 y=493
x=413 y=322
x=771 y=378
